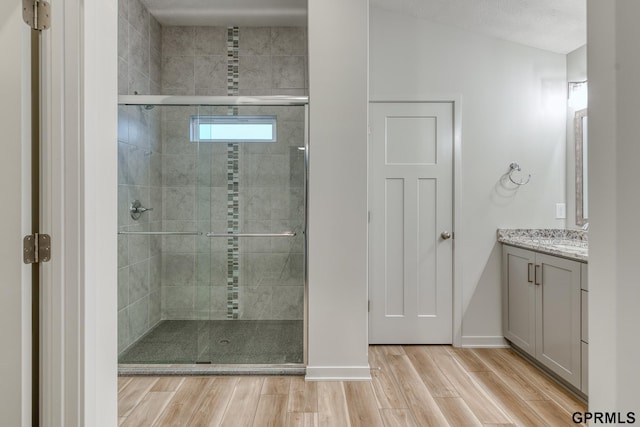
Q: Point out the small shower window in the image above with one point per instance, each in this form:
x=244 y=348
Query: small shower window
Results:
x=233 y=129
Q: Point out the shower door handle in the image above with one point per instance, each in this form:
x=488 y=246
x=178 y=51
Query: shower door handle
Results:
x=285 y=234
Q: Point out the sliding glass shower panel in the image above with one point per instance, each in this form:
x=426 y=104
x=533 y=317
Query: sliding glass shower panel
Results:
x=163 y=260
x=260 y=231
x=212 y=269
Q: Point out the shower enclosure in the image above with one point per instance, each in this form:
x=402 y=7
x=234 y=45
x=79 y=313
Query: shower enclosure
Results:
x=211 y=232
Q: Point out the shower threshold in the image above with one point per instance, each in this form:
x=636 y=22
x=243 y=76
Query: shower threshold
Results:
x=201 y=369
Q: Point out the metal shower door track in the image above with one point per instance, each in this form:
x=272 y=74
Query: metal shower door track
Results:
x=212 y=100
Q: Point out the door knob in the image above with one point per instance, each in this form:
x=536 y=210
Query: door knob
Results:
x=445 y=235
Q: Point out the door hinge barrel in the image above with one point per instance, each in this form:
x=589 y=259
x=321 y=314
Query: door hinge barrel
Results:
x=37 y=14
x=36 y=248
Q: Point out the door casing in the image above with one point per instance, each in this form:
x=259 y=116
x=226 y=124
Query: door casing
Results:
x=78 y=198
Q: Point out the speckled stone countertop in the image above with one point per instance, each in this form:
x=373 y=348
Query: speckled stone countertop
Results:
x=571 y=244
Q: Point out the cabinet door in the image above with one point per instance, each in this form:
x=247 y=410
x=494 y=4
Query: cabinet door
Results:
x=518 y=297
x=558 y=317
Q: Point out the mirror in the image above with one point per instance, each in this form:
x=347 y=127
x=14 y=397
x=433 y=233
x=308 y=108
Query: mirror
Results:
x=582 y=199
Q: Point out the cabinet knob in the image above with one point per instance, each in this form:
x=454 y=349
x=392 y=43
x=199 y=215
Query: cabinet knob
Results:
x=445 y=235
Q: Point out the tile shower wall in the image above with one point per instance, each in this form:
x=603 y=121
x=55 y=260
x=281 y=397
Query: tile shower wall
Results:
x=190 y=187
x=139 y=173
x=271 y=196
x=272 y=61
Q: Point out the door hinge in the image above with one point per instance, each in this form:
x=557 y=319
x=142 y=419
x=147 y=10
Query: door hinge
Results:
x=37 y=14
x=37 y=248
x=368 y=306
x=369 y=216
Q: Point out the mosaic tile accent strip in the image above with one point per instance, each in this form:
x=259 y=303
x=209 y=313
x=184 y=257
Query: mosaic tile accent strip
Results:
x=233 y=174
x=233 y=217
x=233 y=37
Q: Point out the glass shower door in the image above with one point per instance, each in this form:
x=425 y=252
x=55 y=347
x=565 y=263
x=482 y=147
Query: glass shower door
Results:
x=211 y=272
x=163 y=287
x=257 y=233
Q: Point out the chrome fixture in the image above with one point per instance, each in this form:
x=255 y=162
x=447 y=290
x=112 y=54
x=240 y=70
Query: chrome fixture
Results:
x=577 y=94
x=161 y=233
x=136 y=209
x=211 y=234
x=445 y=235
x=145 y=100
x=513 y=168
x=285 y=234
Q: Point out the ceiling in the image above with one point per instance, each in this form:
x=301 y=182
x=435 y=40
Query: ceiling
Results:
x=229 y=12
x=554 y=25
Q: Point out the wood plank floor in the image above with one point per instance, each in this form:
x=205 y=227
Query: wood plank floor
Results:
x=412 y=386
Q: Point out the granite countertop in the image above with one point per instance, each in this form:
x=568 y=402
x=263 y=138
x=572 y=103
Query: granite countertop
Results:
x=572 y=244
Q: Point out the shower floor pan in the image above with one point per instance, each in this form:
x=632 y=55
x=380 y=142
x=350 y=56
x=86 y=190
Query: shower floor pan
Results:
x=197 y=347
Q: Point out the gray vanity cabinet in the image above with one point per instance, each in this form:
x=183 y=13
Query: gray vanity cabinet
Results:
x=542 y=310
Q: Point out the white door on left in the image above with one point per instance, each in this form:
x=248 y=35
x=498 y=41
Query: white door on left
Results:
x=15 y=215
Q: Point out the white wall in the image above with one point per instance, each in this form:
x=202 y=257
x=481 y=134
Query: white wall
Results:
x=614 y=107
x=15 y=182
x=338 y=189
x=513 y=101
x=99 y=196
x=576 y=72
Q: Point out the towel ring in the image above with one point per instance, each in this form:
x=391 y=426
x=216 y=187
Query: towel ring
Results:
x=515 y=167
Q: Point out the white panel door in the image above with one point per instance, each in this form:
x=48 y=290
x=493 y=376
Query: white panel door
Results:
x=411 y=208
x=15 y=188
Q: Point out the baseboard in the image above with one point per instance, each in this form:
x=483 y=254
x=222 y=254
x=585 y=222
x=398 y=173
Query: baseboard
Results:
x=338 y=373
x=484 y=342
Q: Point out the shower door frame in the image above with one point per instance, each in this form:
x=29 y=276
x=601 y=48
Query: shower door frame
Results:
x=247 y=369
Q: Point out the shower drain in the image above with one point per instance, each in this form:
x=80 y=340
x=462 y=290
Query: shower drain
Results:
x=223 y=342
